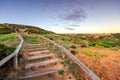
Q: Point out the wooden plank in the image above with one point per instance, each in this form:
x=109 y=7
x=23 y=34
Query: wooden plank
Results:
x=78 y=62
x=37 y=52
x=38 y=57
x=37 y=64
x=36 y=49
x=30 y=45
x=40 y=73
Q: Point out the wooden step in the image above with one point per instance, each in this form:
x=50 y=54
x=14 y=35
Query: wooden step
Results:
x=37 y=64
x=37 y=52
x=41 y=73
x=37 y=49
x=34 y=44
x=33 y=47
x=39 y=57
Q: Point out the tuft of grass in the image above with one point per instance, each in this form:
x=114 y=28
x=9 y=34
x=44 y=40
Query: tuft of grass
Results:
x=104 y=55
x=61 y=72
x=49 y=75
x=87 y=53
x=116 y=61
x=90 y=54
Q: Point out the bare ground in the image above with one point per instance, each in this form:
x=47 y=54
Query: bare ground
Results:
x=105 y=63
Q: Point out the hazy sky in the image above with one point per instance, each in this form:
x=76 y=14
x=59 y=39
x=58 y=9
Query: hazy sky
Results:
x=64 y=16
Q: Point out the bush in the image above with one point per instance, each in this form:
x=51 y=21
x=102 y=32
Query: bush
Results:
x=61 y=72
x=6 y=31
x=93 y=44
x=73 y=46
x=106 y=45
x=74 y=51
x=84 y=43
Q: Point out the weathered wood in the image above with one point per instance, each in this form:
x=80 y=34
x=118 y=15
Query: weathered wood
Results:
x=40 y=73
x=14 y=54
x=30 y=45
x=37 y=64
x=78 y=62
x=39 y=57
x=15 y=60
x=36 y=49
x=37 y=52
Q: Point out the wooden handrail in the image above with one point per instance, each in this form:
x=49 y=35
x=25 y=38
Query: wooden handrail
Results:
x=15 y=53
x=78 y=62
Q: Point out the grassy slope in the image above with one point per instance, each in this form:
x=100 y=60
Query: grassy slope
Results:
x=8 y=43
x=60 y=39
x=67 y=40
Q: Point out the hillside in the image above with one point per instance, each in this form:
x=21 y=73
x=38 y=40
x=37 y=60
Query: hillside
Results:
x=99 y=52
x=9 y=28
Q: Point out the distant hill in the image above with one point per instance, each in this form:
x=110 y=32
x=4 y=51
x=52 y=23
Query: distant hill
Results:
x=7 y=28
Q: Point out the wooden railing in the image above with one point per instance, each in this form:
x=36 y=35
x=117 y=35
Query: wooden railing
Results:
x=74 y=64
x=14 y=54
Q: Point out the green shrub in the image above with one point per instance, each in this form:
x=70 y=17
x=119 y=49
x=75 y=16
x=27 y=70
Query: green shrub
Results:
x=61 y=72
x=104 y=44
x=84 y=43
x=49 y=75
x=6 y=30
x=93 y=44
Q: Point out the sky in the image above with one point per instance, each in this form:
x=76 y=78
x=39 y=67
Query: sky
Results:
x=64 y=16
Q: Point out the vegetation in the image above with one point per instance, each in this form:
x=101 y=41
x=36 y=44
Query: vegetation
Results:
x=9 y=28
x=49 y=75
x=61 y=72
x=11 y=39
x=5 y=30
x=8 y=43
x=8 y=37
x=31 y=39
x=60 y=39
x=86 y=41
x=5 y=50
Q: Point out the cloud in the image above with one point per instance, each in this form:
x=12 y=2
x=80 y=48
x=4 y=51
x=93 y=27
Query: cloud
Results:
x=75 y=25
x=69 y=28
x=75 y=15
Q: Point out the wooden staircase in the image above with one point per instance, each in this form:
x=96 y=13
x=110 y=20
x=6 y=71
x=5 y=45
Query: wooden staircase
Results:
x=42 y=64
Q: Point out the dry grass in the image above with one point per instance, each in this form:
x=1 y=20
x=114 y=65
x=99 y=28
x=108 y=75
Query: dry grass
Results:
x=104 y=62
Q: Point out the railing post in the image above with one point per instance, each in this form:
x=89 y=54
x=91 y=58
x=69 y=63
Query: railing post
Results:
x=15 y=62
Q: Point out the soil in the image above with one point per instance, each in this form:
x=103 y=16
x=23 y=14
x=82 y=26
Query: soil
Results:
x=105 y=63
